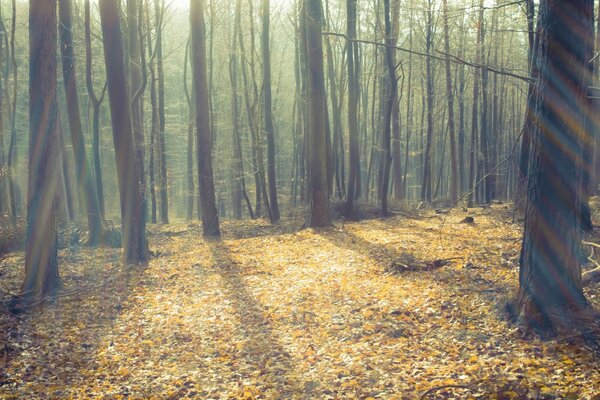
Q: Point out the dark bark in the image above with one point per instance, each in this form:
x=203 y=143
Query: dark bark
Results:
x=317 y=104
x=268 y=111
x=353 y=97
x=206 y=188
x=96 y=102
x=450 y=97
x=391 y=98
x=133 y=220
x=82 y=169
x=550 y=285
x=426 y=194
x=162 y=152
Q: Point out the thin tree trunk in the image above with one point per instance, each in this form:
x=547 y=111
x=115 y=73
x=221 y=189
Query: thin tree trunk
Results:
x=268 y=111
x=85 y=181
x=450 y=97
x=353 y=93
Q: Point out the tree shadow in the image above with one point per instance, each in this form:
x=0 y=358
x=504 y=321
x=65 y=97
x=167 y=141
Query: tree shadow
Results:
x=262 y=350
x=58 y=331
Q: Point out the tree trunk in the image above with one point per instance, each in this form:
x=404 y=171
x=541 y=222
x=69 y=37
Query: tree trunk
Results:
x=427 y=171
x=391 y=98
x=474 y=115
x=41 y=248
x=190 y=137
x=82 y=169
x=550 y=286
x=353 y=93
x=450 y=97
x=268 y=110
x=206 y=186
x=96 y=102
x=317 y=103
x=135 y=245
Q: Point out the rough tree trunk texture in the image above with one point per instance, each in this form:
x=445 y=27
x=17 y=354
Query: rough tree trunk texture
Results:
x=96 y=102
x=41 y=248
x=317 y=104
x=206 y=186
x=268 y=110
x=83 y=172
x=353 y=93
x=550 y=284
x=450 y=99
x=135 y=245
x=390 y=100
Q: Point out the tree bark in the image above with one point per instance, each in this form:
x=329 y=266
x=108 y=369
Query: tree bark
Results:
x=353 y=93
x=135 y=245
x=41 y=248
x=83 y=173
x=450 y=97
x=96 y=102
x=317 y=103
x=550 y=285
x=206 y=187
x=268 y=111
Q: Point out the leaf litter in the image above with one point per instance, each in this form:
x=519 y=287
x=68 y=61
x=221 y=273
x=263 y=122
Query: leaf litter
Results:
x=270 y=312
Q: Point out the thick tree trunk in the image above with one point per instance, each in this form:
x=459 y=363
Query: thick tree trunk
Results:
x=550 y=275
x=41 y=248
x=206 y=186
x=135 y=245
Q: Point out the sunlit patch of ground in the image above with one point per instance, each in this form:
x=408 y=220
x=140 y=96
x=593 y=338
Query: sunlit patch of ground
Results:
x=275 y=313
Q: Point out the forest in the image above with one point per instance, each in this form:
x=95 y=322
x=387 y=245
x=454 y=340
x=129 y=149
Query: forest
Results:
x=298 y=199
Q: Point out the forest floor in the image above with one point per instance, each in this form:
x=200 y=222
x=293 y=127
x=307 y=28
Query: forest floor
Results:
x=394 y=308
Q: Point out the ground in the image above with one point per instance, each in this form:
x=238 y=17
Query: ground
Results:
x=275 y=312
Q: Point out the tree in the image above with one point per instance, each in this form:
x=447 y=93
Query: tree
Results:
x=129 y=176
x=162 y=152
x=427 y=171
x=550 y=275
x=206 y=186
x=41 y=248
x=353 y=96
x=391 y=98
x=268 y=111
x=450 y=97
x=317 y=104
x=96 y=102
x=82 y=168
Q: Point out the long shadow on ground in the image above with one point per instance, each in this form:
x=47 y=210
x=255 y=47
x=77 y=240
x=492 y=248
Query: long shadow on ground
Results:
x=262 y=351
